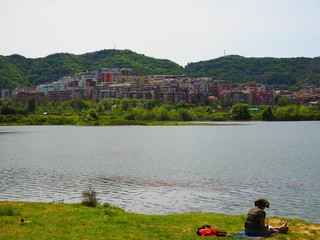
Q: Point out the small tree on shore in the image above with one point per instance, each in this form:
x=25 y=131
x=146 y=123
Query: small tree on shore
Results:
x=90 y=198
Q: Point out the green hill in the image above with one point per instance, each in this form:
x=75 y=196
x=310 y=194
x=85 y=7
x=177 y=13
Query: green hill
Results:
x=18 y=71
x=282 y=71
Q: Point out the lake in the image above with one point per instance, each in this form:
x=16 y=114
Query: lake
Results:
x=168 y=169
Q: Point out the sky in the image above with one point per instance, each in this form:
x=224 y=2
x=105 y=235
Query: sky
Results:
x=183 y=31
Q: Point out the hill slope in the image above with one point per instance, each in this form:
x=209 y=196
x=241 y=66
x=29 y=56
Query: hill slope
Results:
x=283 y=71
x=16 y=70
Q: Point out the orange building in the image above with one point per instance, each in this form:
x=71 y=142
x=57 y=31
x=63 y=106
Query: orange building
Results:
x=108 y=77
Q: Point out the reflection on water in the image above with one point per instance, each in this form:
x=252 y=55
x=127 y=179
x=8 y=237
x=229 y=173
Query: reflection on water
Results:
x=159 y=170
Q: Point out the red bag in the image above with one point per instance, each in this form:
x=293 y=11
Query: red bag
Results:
x=206 y=230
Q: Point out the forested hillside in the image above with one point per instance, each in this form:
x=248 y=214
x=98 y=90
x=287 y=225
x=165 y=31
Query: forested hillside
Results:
x=18 y=71
x=281 y=71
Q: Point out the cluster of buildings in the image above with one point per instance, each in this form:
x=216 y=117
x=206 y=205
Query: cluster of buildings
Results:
x=119 y=83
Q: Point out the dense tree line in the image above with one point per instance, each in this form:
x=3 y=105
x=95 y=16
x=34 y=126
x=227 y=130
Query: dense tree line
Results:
x=18 y=71
x=142 y=111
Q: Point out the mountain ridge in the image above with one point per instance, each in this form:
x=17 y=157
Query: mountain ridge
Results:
x=19 y=71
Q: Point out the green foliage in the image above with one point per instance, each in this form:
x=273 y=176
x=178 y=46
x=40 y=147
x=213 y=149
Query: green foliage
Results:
x=62 y=120
x=267 y=114
x=31 y=104
x=9 y=108
x=127 y=103
x=185 y=114
x=89 y=198
x=240 y=111
x=100 y=108
x=93 y=114
x=139 y=63
x=18 y=71
x=285 y=72
x=220 y=116
x=161 y=113
x=109 y=103
x=173 y=115
x=296 y=113
x=142 y=112
x=15 y=119
x=12 y=71
x=284 y=102
x=76 y=104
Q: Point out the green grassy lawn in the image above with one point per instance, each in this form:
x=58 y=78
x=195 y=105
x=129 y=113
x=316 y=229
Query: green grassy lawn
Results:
x=74 y=221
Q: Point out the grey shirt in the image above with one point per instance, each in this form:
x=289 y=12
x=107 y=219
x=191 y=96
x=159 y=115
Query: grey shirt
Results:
x=253 y=218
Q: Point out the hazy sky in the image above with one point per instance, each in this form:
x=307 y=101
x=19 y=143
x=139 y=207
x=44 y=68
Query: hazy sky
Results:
x=180 y=30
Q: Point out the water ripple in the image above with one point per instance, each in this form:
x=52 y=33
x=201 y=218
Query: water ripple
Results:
x=180 y=170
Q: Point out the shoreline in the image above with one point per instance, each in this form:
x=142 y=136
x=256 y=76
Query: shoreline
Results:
x=153 y=123
x=61 y=201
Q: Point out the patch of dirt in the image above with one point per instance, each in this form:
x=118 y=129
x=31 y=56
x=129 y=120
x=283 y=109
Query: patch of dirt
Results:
x=11 y=203
x=306 y=229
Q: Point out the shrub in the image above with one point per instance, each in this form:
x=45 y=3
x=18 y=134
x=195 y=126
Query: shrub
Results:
x=89 y=198
x=220 y=116
x=93 y=114
x=240 y=111
x=267 y=114
x=185 y=114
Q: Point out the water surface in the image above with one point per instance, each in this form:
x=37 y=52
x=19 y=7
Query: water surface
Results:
x=168 y=169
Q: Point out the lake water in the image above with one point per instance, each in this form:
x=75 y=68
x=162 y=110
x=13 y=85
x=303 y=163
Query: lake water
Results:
x=168 y=169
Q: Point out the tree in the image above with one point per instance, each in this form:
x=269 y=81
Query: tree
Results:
x=107 y=103
x=185 y=114
x=161 y=113
x=267 y=114
x=125 y=104
x=173 y=115
x=31 y=104
x=284 y=102
x=240 y=111
x=100 y=108
x=7 y=108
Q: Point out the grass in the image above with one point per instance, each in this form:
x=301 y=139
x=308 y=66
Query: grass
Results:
x=75 y=221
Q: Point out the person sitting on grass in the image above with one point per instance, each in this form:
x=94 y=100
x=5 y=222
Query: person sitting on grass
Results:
x=255 y=225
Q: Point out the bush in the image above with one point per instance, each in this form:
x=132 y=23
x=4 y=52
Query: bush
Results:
x=185 y=114
x=220 y=116
x=90 y=198
x=240 y=111
x=267 y=114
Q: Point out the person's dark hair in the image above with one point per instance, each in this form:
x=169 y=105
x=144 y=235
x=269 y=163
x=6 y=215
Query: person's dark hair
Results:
x=261 y=202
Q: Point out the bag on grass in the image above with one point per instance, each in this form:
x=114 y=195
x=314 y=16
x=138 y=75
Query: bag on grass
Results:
x=206 y=230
